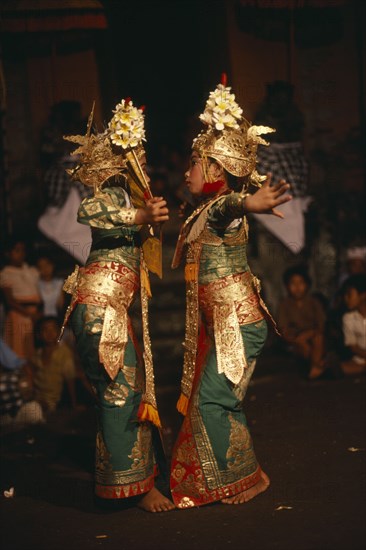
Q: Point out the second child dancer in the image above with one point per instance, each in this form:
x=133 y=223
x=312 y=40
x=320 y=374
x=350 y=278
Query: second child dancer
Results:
x=122 y=214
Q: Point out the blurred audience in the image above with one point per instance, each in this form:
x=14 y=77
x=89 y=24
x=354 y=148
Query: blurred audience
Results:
x=54 y=366
x=17 y=406
x=50 y=287
x=64 y=119
x=301 y=320
x=284 y=157
x=19 y=285
x=354 y=324
x=355 y=262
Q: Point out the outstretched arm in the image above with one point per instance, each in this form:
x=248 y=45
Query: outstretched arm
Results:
x=268 y=197
x=236 y=205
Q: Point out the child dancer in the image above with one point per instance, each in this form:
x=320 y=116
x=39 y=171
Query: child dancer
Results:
x=213 y=459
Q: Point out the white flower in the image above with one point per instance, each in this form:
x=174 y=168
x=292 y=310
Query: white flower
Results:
x=224 y=121
x=120 y=140
x=206 y=117
x=221 y=109
x=126 y=128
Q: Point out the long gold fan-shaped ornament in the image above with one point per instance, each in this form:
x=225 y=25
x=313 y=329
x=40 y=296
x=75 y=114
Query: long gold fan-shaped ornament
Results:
x=151 y=235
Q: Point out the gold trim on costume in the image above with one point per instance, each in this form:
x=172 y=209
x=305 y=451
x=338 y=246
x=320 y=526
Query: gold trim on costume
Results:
x=140 y=451
x=192 y=319
x=112 y=288
x=191 y=231
x=103 y=466
x=134 y=377
x=227 y=304
x=116 y=394
x=230 y=352
x=140 y=460
x=236 y=289
x=240 y=444
x=215 y=477
x=124 y=216
x=150 y=409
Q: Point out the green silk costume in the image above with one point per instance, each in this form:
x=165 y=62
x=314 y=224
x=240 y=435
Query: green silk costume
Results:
x=102 y=294
x=213 y=457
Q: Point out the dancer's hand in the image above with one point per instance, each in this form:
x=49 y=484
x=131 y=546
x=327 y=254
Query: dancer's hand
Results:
x=154 y=212
x=268 y=197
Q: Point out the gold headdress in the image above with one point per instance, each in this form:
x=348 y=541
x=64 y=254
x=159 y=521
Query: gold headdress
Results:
x=106 y=154
x=230 y=138
x=117 y=152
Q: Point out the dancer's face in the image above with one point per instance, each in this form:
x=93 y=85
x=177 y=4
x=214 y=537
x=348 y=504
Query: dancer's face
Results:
x=194 y=175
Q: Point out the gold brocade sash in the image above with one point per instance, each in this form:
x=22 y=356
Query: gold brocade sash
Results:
x=238 y=289
x=227 y=304
x=114 y=291
x=113 y=287
x=229 y=343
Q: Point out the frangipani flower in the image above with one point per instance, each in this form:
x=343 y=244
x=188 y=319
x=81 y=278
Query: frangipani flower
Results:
x=126 y=128
x=120 y=140
x=221 y=109
x=224 y=121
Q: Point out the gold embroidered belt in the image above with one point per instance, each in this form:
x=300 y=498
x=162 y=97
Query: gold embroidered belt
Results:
x=227 y=304
x=234 y=289
x=104 y=286
x=112 y=287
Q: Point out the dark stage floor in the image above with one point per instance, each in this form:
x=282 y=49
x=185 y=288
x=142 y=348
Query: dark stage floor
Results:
x=309 y=438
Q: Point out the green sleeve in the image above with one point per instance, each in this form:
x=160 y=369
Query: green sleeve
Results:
x=106 y=210
x=227 y=209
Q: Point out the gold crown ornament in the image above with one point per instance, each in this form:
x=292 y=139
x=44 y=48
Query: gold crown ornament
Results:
x=229 y=138
x=117 y=152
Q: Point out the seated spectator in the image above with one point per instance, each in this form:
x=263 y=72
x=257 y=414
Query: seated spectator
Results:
x=17 y=407
x=354 y=324
x=19 y=284
x=355 y=262
x=53 y=366
x=301 y=320
x=50 y=288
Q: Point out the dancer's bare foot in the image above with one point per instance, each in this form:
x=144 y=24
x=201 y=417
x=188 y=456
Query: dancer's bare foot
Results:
x=247 y=495
x=154 y=501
